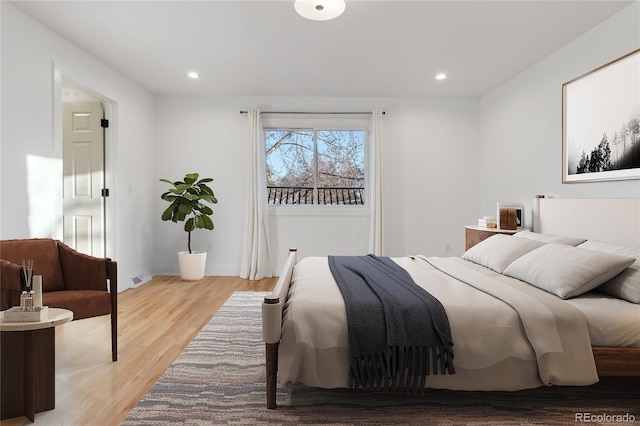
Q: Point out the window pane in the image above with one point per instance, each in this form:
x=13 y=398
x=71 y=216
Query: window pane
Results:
x=341 y=166
x=306 y=166
x=290 y=166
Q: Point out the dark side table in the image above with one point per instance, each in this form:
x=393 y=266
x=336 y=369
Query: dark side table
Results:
x=27 y=365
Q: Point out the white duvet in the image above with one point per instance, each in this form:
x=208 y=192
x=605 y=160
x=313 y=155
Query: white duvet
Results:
x=507 y=335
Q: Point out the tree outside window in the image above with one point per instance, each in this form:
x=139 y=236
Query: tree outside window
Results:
x=312 y=166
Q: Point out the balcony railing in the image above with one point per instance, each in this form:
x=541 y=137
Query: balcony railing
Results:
x=305 y=195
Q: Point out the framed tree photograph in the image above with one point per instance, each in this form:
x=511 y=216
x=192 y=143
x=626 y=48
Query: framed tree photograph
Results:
x=601 y=123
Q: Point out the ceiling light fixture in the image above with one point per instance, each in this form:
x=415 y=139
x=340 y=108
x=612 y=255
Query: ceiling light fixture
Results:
x=319 y=10
x=194 y=75
x=441 y=76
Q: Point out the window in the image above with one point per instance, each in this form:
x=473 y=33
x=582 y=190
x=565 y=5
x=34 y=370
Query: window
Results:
x=315 y=166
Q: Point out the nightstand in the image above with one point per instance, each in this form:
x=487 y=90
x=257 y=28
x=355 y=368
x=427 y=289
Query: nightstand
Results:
x=474 y=234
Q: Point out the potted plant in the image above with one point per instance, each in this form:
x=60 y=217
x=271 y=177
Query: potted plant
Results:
x=187 y=198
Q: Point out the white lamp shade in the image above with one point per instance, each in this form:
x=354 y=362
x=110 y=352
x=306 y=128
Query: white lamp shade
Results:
x=319 y=10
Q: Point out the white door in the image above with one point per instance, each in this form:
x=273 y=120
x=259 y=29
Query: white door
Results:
x=83 y=168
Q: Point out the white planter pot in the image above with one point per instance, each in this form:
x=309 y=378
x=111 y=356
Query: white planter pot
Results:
x=192 y=265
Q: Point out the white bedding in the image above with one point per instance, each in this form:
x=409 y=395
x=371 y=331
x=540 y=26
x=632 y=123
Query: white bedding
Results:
x=493 y=349
x=611 y=321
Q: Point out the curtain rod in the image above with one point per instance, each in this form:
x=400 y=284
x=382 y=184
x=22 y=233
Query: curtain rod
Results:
x=314 y=113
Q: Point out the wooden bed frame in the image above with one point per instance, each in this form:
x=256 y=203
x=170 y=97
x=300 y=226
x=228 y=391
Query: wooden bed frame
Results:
x=612 y=220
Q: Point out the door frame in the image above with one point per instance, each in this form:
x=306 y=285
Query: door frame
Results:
x=110 y=138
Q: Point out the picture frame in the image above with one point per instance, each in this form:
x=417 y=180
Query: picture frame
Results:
x=601 y=123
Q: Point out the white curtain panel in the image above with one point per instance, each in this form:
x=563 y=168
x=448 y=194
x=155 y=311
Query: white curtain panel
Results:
x=376 y=245
x=256 y=256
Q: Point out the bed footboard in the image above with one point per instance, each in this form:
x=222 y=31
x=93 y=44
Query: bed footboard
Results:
x=272 y=325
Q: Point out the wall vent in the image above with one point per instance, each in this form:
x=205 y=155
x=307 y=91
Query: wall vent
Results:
x=137 y=279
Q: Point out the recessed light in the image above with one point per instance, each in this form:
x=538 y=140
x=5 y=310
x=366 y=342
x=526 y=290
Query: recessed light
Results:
x=441 y=76
x=194 y=75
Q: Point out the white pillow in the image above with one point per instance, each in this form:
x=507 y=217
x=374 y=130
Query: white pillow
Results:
x=567 y=271
x=549 y=238
x=625 y=285
x=498 y=251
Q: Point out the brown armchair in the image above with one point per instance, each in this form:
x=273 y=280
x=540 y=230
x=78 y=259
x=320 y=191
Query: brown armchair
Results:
x=70 y=280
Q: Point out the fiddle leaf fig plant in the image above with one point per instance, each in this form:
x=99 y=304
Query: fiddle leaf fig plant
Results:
x=187 y=198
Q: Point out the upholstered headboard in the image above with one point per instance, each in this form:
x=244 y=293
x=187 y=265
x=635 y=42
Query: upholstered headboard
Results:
x=614 y=220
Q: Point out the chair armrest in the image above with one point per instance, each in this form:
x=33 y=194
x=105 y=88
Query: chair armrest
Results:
x=80 y=271
x=10 y=284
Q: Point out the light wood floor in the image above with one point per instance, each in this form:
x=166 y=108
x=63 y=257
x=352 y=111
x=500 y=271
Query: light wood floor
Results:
x=156 y=321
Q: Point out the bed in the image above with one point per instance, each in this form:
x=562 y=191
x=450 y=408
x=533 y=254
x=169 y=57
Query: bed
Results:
x=513 y=327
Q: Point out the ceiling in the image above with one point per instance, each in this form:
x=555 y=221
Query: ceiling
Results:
x=376 y=48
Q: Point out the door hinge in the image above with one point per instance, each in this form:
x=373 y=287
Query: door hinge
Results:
x=104 y=123
x=104 y=192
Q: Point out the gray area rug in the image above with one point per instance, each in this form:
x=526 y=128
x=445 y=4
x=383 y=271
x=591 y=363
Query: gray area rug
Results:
x=220 y=379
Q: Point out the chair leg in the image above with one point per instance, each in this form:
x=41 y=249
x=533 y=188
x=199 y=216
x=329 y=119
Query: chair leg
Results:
x=112 y=275
x=114 y=337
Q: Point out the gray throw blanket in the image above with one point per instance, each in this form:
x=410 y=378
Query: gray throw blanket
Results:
x=398 y=332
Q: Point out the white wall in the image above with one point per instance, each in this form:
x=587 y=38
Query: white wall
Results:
x=446 y=161
x=430 y=171
x=30 y=55
x=206 y=135
x=431 y=174
x=521 y=121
